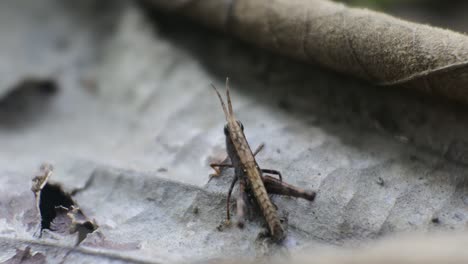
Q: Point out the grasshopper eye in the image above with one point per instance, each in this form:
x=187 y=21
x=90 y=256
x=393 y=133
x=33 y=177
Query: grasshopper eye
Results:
x=240 y=124
x=226 y=130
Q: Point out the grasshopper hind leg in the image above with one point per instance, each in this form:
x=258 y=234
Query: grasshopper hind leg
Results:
x=275 y=172
x=274 y=186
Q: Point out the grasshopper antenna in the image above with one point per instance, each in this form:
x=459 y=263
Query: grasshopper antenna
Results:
x=231 y=113
x=222 y=102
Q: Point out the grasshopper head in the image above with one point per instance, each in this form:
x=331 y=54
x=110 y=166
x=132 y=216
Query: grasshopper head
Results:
x=226 y=127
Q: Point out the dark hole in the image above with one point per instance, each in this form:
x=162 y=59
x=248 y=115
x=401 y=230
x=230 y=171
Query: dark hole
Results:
x=51 y=197
x=32 y=87
x=46 y=86
x=26 y=102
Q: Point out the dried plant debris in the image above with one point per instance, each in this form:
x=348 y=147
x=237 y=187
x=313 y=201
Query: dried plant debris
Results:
x=59 y=213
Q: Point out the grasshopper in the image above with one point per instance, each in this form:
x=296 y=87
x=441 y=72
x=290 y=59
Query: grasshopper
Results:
x=251 y=176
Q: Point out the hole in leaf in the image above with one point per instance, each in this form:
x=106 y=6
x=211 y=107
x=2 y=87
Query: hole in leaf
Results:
x=60 y=214
x=52 y=196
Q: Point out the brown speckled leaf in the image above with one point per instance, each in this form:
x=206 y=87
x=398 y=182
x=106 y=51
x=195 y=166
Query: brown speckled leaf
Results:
x=370 y=45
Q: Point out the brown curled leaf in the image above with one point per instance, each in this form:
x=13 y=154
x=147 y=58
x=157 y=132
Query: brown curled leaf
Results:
x=367 y=44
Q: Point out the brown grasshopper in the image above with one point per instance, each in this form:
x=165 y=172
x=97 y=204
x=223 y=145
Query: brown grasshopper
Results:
x=251 y=176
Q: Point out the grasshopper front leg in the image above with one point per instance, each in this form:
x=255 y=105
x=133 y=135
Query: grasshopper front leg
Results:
x=217 y=166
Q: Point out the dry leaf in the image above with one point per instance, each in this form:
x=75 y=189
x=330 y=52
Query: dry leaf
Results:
x=152 y=108
x=366 y=44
